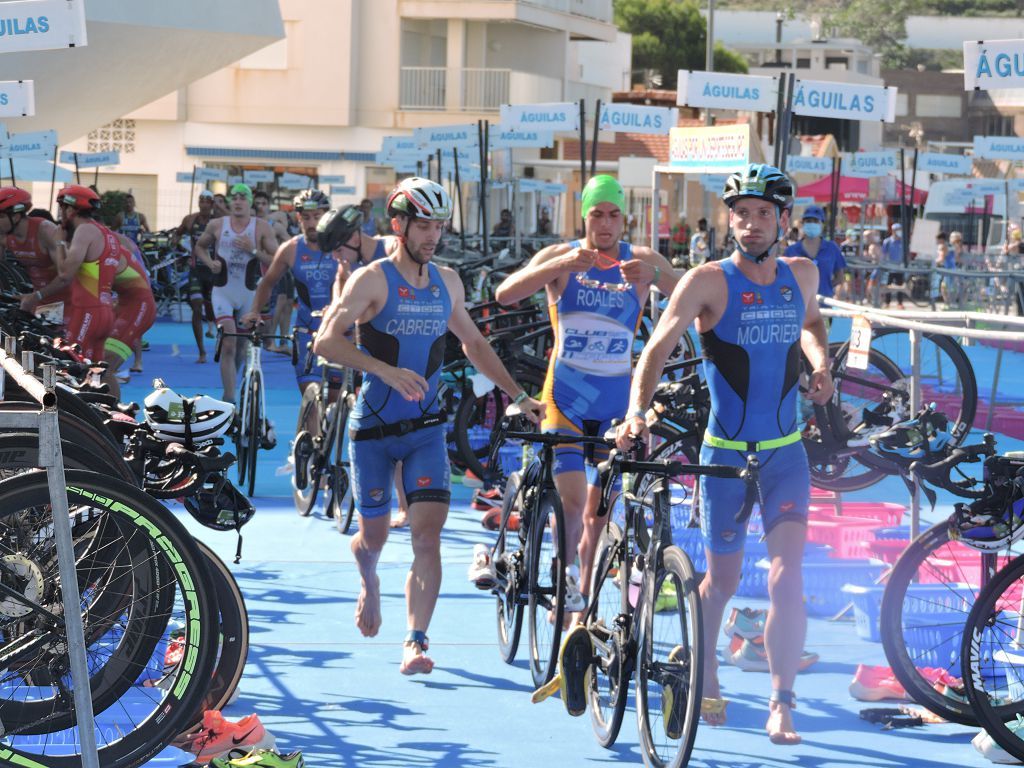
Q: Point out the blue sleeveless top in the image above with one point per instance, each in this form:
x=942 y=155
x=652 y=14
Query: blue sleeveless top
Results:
x=314 y=273
x=408 y=332
x=131 y=226
x=594 y=329
x=753 y=357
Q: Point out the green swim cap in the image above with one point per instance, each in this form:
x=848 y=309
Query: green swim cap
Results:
x=241 y=189
x=602 y=189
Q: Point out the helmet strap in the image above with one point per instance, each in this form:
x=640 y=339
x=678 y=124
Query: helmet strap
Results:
x=405 y=234
x=759 y=258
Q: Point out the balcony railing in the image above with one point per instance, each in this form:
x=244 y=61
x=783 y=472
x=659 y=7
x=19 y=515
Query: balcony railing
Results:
x=601 y=10
x=422 y=88
x=428 y=88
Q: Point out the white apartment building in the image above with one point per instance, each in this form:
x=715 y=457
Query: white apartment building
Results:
x=348 y=73
x=774 y=44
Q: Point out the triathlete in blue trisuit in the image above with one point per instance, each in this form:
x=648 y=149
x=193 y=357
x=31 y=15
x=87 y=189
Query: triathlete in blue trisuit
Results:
x=314 y=272
x=596 y=289
x=402 y=307
x=754 y=312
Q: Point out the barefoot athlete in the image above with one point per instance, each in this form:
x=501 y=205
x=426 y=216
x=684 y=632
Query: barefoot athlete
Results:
x=402 y=306
x=754 y=312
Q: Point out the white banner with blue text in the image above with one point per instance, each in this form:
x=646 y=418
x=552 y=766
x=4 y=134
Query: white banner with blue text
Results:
x=562 y=116
x=993 y=64
x=637 y=118
x=847 y=101
x=717 y=90
x=39 y=25
x=17 y=98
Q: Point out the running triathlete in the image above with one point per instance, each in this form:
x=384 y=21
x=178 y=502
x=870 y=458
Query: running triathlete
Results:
x=133 y=315
x=200 y=279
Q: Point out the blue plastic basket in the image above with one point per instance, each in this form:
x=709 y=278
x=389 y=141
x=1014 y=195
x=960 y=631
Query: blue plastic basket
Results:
x=895 y=532
x=824 y=579
x=754 y=579
x=923 y=600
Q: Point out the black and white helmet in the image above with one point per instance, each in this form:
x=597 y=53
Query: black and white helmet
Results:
x=420 y=198
x=311 y=200
x=177 y=419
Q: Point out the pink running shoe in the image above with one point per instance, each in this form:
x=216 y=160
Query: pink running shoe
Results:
x=222 y=738
x=876 y=684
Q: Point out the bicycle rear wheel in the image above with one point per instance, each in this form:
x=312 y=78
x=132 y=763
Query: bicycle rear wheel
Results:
x=994 y=660
x=669 y=663
x=612 y=667
x=837 y=454
x=546 y=559
x=305 y=457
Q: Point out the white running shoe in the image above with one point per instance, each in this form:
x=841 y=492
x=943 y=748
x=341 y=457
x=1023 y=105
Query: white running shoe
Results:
x=575 y=602
x=992 y=751
x=481 y=570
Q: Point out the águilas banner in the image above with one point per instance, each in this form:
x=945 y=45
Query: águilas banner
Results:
x=993 y=64
x=17 y=98
x=710 y=149
x=34 y=144
x=635 y=118
x=545 y=117
x=939 y=162
x=820 y=98
x=446 y=137
x=38 y=25
x=999 y=147
x=802 y=164
x=753 y=93
x=866 y=165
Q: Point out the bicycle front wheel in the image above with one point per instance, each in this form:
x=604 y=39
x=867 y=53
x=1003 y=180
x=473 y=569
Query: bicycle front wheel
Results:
x=256 y=430
x=669 y=667
x=144 y=588
x=243 y=441
x=546 y=558
x=993 y=658
x=508 y=559
x=341 y=504
x=305 y=457
x=925 y=606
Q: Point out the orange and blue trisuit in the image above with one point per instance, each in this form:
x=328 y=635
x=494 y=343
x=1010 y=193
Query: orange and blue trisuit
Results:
x=587 y=383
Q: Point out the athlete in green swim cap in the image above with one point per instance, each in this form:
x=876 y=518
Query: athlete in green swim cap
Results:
x=602 y=189
x=596 y=289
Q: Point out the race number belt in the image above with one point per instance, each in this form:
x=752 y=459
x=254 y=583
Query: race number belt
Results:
x=403 y=427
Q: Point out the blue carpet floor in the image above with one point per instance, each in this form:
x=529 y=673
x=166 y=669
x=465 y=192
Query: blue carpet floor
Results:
x=322 y=688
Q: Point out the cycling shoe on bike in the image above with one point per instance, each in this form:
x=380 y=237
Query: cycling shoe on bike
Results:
x=917 y=438
x=575 y=602
x=269 y=440
x=481 y=570
x=302 y=451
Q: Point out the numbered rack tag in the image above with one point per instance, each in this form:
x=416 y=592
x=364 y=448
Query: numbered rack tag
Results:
x=860 y=344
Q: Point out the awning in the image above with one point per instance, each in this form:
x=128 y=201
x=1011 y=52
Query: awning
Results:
x=851 y=190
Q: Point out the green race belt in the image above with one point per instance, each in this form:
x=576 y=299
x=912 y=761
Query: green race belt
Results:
x=743 y=445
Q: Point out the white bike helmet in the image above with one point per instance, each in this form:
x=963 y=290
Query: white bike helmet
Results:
x=420 y=198
x=175 y=419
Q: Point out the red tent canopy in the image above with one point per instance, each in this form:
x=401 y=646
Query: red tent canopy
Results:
x=851 y=190
x=903 y=193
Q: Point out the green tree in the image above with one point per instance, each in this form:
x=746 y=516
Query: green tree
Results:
x=669 y=35
x=879 y=25
x=111 y=204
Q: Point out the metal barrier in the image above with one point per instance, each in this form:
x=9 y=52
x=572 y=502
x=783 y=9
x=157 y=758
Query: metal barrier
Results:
x=937 y=323
x=990 y=290
x=50 y=457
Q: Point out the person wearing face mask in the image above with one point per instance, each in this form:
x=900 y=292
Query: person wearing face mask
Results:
x=822 y=251
x=755 y=313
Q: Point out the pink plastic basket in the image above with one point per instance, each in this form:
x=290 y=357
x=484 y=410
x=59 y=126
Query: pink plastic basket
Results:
x=848 y=536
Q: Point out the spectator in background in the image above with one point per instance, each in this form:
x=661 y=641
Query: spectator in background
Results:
x=872 y=254
x=792 y=237
x=680 y=241
x=700 y=244
x=892 y=257
x=505 y=226
x=220 y=206
x=543 y=223
x=130 y=222
x=819 y=249
x=369 y=225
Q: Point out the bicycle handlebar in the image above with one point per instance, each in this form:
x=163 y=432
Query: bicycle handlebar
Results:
x=255 y=337
x=938 y=473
